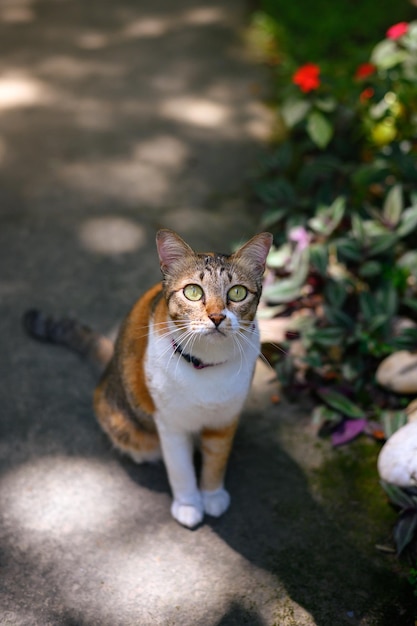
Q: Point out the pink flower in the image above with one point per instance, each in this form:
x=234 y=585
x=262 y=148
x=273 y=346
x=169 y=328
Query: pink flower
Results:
x=397 y=30
x=300 y=237
x=365 y=70
x=307 y=77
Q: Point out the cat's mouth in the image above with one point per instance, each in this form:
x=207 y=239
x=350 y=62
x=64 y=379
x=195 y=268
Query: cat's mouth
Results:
x=215 y=332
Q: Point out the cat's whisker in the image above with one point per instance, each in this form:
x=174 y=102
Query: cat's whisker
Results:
x=241 y=354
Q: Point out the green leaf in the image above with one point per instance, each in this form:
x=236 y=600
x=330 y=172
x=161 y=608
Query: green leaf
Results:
x=272 y=216
x=327 y=219
x=358 y=228
x=285 y=290
x=319 y=258
x=289 y=289
x=278 y=258
x=349 y=249
x=335 y=293
x=340 y=403
x=370 y=269
x=412 y=304
x=339 y=318
x=331 y=336
x=386 y=54
x=278 y=192
x=408 y=261
x=408 y=222
x=368 y=306
x=407 y=339
x=397 y=495
x=387 y=299
x=391 y=421
x=377 y=322
x=294 y=111
x=405 y=529
x=322 y=413
x=382 y=244
x=319 y=129
x=393 y=205
x=326 y=104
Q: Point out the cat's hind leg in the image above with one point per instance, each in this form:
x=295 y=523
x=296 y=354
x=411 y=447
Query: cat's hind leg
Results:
x=140 y=444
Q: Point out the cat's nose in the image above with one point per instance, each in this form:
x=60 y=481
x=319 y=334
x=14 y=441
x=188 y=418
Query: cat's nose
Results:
x=217 y=318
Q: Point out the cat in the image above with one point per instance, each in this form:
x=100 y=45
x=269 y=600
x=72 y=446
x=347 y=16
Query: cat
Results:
x=181 y=367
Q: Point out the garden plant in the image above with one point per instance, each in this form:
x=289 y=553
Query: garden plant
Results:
x=339 y=192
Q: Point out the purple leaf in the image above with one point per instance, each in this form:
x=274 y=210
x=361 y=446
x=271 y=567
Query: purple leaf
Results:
x=348 y=430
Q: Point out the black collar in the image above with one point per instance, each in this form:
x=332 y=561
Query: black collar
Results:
x=198 y=364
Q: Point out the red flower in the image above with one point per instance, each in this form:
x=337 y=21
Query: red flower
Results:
x=307 y=77
x=366 y=94
x=365 y=70
x=397 y=30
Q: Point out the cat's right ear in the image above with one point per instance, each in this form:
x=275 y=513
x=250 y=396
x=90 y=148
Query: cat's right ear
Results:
x=171 y=248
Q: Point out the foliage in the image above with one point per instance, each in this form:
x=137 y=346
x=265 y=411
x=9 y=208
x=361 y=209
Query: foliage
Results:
x=339 y=195
x=405 y=500
x=343 y=35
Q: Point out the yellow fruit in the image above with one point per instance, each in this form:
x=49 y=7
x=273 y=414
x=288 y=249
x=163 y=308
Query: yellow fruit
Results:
x=384 y=132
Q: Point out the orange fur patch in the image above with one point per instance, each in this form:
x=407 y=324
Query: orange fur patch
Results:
x=215 y=449
x=135 y=334
x=123 y=433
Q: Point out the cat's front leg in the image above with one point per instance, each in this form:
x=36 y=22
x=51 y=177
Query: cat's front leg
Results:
x=215 y=448
x=177 y=448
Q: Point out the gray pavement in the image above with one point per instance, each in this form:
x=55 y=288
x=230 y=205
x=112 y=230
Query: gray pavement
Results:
x=117 y=118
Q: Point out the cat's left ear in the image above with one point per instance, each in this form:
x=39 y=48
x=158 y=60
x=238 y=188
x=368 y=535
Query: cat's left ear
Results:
x=256 y=250
x=171 y=248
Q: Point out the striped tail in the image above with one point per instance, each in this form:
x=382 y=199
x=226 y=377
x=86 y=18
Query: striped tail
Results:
x=69 y=333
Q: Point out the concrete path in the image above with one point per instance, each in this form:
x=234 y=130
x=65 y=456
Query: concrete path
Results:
x=116 y=118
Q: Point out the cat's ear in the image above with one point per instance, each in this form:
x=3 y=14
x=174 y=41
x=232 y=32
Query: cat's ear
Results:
x=171 y=248
x=255 y=251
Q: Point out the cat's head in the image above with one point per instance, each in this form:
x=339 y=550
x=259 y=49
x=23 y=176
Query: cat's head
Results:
x=213 y=295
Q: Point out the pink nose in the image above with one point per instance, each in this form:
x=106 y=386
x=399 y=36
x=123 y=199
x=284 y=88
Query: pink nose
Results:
x=217 y=318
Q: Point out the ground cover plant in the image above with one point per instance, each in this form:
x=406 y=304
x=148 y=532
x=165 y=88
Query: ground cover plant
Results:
x=340 y=195
x=339 y=191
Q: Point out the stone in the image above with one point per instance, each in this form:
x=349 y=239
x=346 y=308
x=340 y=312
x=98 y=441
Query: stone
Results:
x=397 y=461
x=398 y=372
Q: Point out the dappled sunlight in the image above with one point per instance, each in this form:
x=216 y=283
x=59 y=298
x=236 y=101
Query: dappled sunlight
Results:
x=196 y=111
x=144 y=175
x=70 y=68
x=92 y=40
x=157 y=25
x=111 y=235
x=147 y=27
x=258 y=121
x=20 y=90
x=17 y=11
x=58 y=496
x=204 y=15
x=121 y=179
x=105 y=545
x=164 y=150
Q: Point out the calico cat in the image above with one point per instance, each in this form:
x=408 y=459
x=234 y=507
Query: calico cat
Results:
x=181 y=367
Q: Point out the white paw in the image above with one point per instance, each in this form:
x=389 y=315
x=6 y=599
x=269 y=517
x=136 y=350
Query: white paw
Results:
x=216 y=502
x=188 y=515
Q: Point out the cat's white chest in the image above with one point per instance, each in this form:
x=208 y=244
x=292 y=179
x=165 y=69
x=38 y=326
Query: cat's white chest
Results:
x=189 y=399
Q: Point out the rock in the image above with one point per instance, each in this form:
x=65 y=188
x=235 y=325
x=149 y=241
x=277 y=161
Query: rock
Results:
x=398 y=372
x=397 y=461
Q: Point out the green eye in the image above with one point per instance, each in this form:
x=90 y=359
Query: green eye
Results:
x=193 y=292
x=237 y=293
